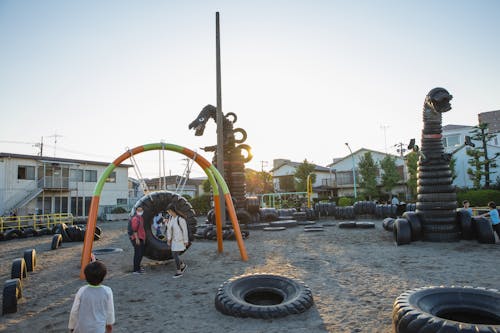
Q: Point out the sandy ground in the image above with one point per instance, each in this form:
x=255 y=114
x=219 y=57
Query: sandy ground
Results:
x=355 y=275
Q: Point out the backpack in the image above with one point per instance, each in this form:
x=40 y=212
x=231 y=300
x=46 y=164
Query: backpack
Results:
x=130 y=231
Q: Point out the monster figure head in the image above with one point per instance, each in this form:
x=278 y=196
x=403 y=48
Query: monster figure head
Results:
x=199 y=123
x=438 y=100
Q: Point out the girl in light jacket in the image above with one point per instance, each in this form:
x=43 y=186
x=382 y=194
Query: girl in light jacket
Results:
x=177 y=238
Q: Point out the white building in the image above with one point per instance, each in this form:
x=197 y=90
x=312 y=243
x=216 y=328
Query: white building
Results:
x=336 y=179
x=343 y=180
x=42 y=185
x=454 y=143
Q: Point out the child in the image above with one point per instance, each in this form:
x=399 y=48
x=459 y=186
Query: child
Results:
x=494 y=216
x=466 y=205
x=93 y=309
x=177 y=238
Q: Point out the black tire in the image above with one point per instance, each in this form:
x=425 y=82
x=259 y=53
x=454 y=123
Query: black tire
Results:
x=450 y=205
x=156 y=202
x=415 y=225
x=347 y=225
x=56 y=241
x=465 y=220
x=30 y=259
x=484 y=231
x=402 y=232
x=12 y=291
x=434 y=181
x=19 y=270
x=315 y=229
x=256 y=226
x=388 y=223
x=285 y=223
x=243 y=135
x=263 y=296
x=365 y=225
x=274 y=228
x=13 y=234
x=436 y=189
x=447 y=309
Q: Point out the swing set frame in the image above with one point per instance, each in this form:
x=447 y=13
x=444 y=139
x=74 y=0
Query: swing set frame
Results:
x=214 y=177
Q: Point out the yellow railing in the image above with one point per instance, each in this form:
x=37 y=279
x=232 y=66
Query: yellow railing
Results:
x=34 y=221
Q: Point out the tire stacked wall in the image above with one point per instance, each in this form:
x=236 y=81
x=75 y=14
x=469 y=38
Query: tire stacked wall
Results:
x=436 y=196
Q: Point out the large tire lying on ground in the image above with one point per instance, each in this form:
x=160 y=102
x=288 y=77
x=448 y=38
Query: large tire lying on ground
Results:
x=484 y=230
x=464 y=218
x=415 y=225
x=154 y=203
x=12 y=291
x=447 y=309
x=263 y=296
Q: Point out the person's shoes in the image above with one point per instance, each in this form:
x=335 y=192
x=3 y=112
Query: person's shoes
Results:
x=142 y=270
x=137 y=272
x=183 y=268
x=177 y=275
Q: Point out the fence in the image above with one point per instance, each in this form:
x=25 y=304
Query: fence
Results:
x=34 y=221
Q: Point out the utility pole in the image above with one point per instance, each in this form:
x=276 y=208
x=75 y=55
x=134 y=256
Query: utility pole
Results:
x=262 y=164
x=219 y=116
x=39 y=145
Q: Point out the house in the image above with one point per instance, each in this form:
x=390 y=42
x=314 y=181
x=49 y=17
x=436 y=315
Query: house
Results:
x=192 y=187
x=454 y=143
x=41 y=185
x=343 y=177
x=283 y=173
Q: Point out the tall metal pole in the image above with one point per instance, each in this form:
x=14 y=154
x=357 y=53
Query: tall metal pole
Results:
x=219 y=116
x=353 y=171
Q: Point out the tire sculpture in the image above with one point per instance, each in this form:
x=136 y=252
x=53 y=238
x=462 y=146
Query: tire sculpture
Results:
x=263 y=296
x=447 y=309
x=236 y=154
x=436 y=200
x=155 y=202
x=19 y=270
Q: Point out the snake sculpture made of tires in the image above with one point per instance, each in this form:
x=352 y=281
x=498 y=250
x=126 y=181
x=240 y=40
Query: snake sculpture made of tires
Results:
x=447 y=309
x=263 y=296
x=154 y=203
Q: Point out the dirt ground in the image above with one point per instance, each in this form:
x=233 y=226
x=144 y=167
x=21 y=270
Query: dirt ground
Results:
x=355 y=275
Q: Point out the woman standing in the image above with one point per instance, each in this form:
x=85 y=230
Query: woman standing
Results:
x=177 y=238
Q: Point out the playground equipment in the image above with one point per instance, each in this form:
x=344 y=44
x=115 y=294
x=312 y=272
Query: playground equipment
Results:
x=234 y=160
x=436 y=218
x=214 y=178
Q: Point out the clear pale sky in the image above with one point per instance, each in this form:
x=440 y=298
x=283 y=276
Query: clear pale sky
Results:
x=304 y=77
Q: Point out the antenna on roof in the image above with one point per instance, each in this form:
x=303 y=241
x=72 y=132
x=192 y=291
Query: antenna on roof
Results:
x=55 y=136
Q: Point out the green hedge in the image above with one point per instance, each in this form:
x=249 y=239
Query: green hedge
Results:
x=478 y=198
x=345 y=201
x=201 y=204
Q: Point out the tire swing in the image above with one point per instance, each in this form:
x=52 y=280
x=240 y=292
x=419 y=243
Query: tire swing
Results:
x=154 y=203
x=447 y=309
x=263 y=296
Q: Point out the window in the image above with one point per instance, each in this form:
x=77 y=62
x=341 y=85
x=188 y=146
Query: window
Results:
x=451 y=140
x=345 y=178
x=90 y=176
x=76 y=175
x=121 y=202
x=26 y=172
x=111 y=178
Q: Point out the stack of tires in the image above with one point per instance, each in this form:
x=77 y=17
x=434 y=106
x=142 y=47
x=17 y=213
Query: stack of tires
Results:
x=74 y=233
x=208 y=231
x=345 y=213
x=325 y=209
x=364 y=207
x=436 y=196
x=13 y=287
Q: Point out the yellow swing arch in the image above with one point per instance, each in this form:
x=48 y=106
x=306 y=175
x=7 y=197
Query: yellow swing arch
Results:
x=214 y=178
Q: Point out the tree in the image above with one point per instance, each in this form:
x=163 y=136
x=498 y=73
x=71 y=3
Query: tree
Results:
x=475 y=173
x=368 y=170
x=411 y=164
x=481 y=133
x=258 y=181
x=207 y=187
x=303 y=170
x=453 y=162
x=390 y=176
x=287 y=183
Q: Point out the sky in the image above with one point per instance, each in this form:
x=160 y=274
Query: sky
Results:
x=303 y=77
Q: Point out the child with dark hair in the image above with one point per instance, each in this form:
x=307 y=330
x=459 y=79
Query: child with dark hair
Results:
x=494 y=217
x=93 y=309
x=177 y=238
x=466 y=205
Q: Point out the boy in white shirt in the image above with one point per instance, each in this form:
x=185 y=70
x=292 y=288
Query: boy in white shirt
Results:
x=93 y=309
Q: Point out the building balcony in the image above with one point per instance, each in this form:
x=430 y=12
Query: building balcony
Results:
x=54 y=183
